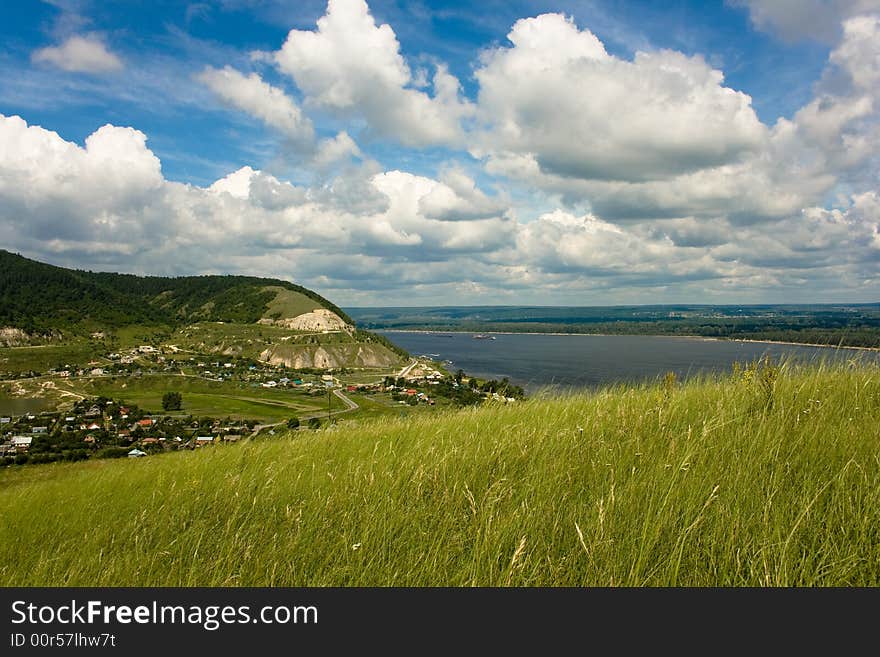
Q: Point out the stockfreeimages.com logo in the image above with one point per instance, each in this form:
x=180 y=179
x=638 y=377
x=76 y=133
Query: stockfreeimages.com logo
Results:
x=210 y=617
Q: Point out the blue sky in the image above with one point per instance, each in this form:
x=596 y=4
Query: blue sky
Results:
x=613 y=152
x=167 y=40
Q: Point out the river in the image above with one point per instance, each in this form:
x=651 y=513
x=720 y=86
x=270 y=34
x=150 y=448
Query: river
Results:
x=536 y=361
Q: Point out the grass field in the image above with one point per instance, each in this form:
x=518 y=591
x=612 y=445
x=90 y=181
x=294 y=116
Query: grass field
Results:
x=45 y=357
x=764 y=478
x=288 y=303
x=201 y=397
x=211 y=398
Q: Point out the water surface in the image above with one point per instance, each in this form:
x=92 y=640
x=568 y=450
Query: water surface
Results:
x=577 y=361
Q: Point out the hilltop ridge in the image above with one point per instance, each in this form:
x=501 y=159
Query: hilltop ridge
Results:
x=276 y=321
x=38 y=298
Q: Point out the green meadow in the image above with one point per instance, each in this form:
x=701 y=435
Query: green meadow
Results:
x=202 y=397
x=44 y=357
x=767 y=477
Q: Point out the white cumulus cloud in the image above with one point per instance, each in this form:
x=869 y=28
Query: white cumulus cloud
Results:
x=80 y=54
x=251 y=94
x=351 y=66
x=557 y=101
x=795 y=20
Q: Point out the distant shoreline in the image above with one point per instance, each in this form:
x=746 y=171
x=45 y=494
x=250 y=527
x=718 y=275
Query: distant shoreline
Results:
x=632 y=335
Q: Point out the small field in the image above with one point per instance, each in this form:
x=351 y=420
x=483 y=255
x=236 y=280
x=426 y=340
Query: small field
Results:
x=201 y=397
x=211 y=398
x=766 y=478
x=44 y=357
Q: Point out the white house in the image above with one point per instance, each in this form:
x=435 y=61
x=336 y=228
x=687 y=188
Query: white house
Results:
x=22 y=443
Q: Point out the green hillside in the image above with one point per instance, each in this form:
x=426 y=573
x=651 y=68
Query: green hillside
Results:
x=765 y=477
x=41 y=298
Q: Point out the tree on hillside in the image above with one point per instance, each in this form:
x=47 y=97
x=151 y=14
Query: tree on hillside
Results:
x=314 y=423
x=293 y=423
x=172 y=401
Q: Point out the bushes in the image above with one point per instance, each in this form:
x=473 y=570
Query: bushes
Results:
x=112 y=452
x=172 y=401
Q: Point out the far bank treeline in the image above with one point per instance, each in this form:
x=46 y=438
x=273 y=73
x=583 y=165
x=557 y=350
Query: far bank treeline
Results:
x=43 y=299
x=853 y=325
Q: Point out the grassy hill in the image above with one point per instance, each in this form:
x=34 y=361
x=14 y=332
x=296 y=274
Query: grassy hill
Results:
x=765 y=477
x=41 y=298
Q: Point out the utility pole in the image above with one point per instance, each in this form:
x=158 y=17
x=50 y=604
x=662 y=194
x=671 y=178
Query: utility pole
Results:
x=328 y=403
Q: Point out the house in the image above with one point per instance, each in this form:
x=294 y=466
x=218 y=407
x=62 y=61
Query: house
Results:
x=149 y=441
x=124 y=433
x=21 y=443
x=94 y=411
x=411 y=392
x=351 y=388
x=204 y=440
x=270 y=384
x=232 y=437
x=136 y=453
x=147 y=349
x=97 y=372
x=145 y=423
x=5 y=420
x=40 y=430
x=94 y=426
x=89 y=439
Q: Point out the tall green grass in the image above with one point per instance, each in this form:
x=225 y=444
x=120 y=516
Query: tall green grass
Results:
x=762 y=478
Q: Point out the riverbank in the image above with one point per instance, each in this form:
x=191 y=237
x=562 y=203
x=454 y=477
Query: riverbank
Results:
x=802 y=344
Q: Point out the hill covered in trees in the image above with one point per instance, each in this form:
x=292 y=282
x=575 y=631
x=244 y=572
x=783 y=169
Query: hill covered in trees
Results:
x=42 y=298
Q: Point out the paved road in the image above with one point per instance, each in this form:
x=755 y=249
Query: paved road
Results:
x=352 y=406
x=407 y=369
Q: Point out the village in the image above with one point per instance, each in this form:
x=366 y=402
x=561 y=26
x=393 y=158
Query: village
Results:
x=106 y=426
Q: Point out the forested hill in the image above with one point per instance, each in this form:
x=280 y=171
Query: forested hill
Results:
x=39 y=298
